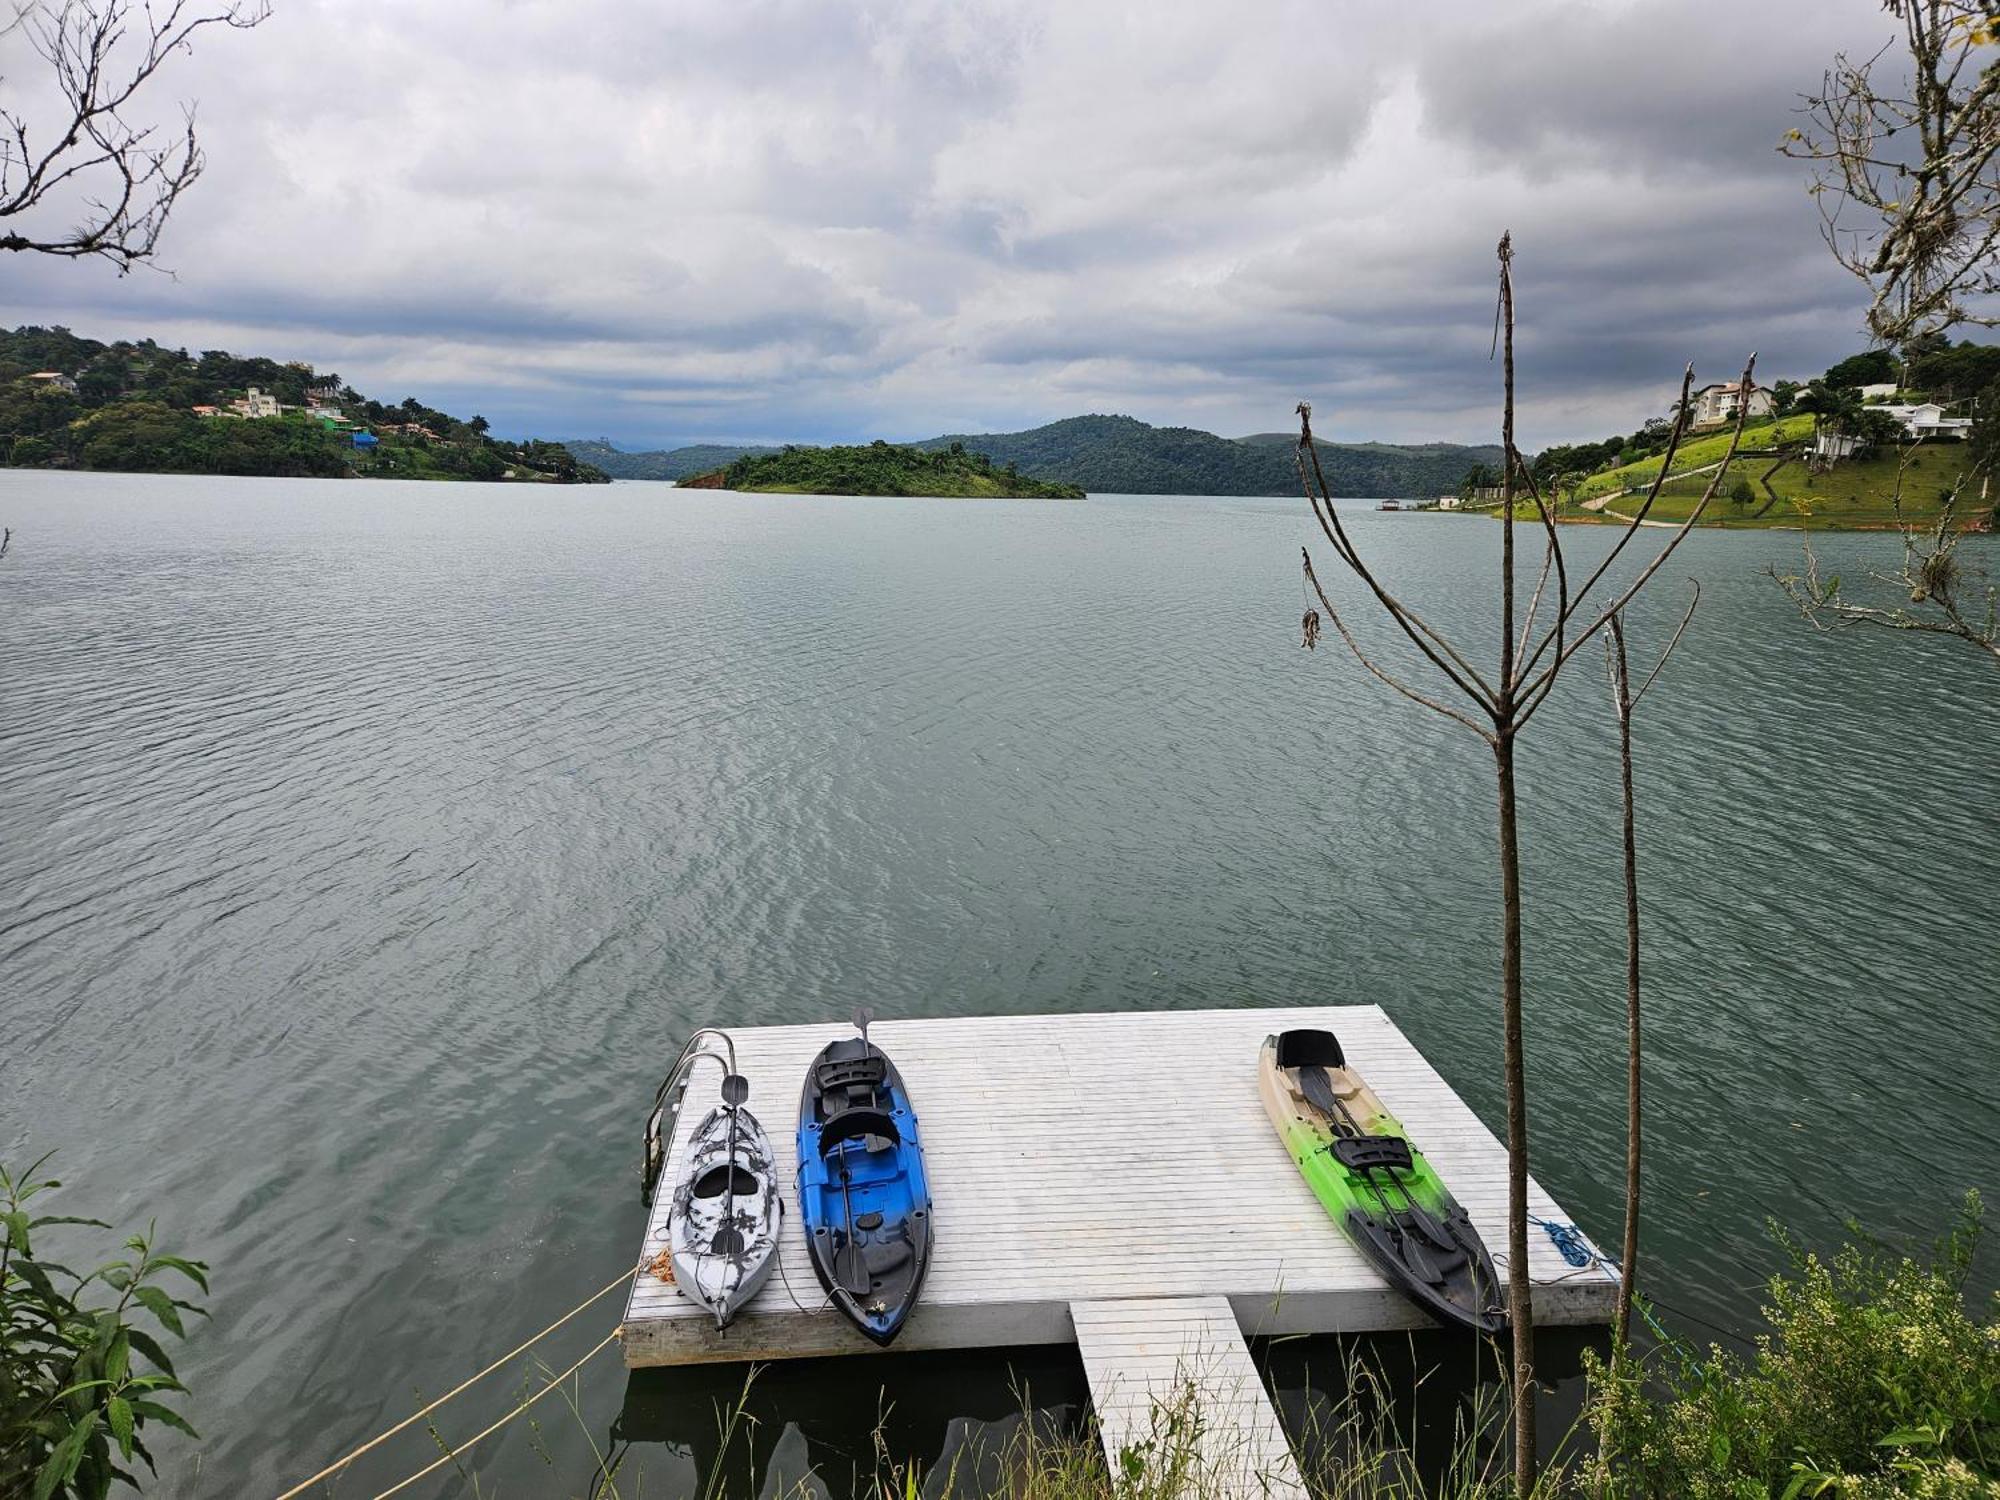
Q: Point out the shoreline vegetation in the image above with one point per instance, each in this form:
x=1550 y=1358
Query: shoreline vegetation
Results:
x=881 y=468
x=1770 y=486
x=75 y=403
x=1121 y=455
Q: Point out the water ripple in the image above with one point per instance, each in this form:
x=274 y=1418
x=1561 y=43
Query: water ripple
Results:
x=368 y=849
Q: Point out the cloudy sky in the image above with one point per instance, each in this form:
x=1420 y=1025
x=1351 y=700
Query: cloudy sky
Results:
x=839 y=219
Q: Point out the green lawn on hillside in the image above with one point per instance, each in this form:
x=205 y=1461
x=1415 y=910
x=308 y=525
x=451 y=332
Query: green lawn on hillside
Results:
x=1695 y=452
x=1855 y=493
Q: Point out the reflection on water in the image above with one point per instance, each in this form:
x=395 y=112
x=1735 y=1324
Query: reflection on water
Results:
x=838 y=1425
x=834 y=1431
x=369 y=849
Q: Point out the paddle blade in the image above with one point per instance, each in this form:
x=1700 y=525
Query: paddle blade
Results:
x=728 y=1241
x=863 y=1019
x=850 y=1271
x=735 y=1089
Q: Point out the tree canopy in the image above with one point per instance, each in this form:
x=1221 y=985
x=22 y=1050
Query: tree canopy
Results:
x=882 y=468
x=133 y=409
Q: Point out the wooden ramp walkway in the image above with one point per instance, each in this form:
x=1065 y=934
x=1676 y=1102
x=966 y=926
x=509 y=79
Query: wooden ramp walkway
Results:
x=1173 y=1375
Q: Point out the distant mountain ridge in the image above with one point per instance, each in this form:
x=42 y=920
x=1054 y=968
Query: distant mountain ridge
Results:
x=662 y=463
x=1123 y=455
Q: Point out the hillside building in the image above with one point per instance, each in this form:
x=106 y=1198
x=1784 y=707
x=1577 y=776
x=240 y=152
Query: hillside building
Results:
x=1715 y=404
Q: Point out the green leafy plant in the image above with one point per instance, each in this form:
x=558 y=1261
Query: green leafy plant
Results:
x=1876 y=1380
x=80 y=1381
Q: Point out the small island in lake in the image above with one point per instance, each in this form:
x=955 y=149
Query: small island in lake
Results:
x=880 y=469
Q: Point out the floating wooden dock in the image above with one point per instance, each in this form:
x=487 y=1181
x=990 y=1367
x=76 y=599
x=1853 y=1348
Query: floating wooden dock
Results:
x=1111 y=1180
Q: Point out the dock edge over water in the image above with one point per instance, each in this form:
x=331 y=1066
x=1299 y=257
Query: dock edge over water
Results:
x=1105 y=1156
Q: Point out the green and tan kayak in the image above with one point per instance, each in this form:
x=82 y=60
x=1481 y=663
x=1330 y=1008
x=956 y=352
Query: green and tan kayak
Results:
x=1377 y=1186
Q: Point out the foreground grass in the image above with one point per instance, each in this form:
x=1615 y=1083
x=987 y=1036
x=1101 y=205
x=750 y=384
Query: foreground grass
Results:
x=1878 y=1378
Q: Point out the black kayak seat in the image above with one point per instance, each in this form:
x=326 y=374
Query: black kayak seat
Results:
x=852 y=1123
x=851 y=1072
x=1310 y=1049
x=1372 y=1153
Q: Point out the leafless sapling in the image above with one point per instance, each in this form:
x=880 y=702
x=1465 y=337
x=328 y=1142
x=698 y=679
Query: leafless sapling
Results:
x=1625 y=698
x=1497 y=708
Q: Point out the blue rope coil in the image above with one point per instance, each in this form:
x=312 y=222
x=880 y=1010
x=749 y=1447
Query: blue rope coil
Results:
x=1569 y=1240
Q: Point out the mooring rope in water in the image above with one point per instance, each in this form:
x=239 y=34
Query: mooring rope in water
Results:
x=382 y=1437
x=451 y=1453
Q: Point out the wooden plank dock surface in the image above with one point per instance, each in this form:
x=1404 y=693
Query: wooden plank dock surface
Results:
x=1156 y=1364
x=1078 y=1159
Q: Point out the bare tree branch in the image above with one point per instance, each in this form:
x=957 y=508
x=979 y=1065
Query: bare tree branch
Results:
x=1632 y=525
x=1442 y=654
x=1673 y=642
x=1934 y=577
x=1552 y=553
x=1922 y=168
x=1375 y=671
x=79 y=179
x=1537 y=691
x=1497 y=710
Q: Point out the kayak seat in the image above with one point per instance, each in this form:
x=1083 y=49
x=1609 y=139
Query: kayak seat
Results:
x=850 y=1072
x=851 y=1124
x=1372 y=1153
x=1309 y=1049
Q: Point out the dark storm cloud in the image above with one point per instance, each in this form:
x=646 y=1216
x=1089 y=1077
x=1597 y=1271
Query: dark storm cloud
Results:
x=784 y=219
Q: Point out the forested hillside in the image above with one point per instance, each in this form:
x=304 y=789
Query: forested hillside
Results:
x=75 y=403
x=660 y=463
x=881 y=468
x=1122 y=455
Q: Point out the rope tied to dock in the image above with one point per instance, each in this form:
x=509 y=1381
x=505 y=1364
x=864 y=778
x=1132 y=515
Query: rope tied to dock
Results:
x=451 y=1453
x=382 y=1437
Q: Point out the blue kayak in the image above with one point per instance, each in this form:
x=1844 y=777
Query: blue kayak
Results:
x=862 y=1189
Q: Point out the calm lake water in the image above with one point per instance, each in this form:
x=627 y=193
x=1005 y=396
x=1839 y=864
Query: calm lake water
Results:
x=368 y=849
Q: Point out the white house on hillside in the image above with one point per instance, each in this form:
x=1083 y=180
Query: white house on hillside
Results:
x=1880 y=392
x=256 y=403
x=57 y=379
x=1925 y=420
x=1719 y=403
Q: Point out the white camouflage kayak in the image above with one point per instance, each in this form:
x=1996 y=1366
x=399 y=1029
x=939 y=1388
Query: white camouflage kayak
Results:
x=722 y=1226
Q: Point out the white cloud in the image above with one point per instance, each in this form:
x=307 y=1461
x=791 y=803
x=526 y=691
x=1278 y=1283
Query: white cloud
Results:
x=787 y=219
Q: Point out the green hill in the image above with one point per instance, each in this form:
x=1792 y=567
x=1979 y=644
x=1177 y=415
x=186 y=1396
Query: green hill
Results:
x=1122 y=455
x=1698 y=451
x=660 y=463
x=142 y=408
x=881 y=469
x=1857 y=494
